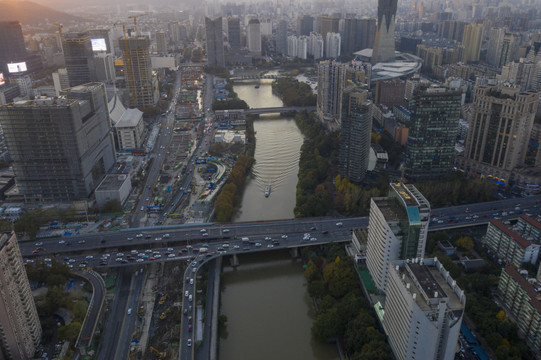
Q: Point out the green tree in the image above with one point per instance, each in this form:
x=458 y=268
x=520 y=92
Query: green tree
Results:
x=464 y=243
x=316 y=288
x=112 y=206
x=326 y=325
x=69 y=332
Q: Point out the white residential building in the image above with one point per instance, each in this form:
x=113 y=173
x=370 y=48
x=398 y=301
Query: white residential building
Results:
x=129 y=130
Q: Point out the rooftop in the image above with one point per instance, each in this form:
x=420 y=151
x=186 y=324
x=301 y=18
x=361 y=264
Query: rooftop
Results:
x=531 y=221
x=512 y=234
x=535 y=297
x=403 y=192
x=130 y=118
x=112 y=182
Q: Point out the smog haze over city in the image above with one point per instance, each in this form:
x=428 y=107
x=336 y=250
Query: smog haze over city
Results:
x=294 y=179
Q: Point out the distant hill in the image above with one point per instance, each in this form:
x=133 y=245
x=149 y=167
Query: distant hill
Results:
x=28 y=12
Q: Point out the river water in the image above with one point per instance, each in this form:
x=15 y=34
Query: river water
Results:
x=265 y=300
x=269 y=313
x=277 y=152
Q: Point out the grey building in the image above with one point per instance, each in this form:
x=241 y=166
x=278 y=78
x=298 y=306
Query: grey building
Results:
x=281 y=37
x=215 y=42
x=384 y=42
x=161 y=42
x=305 y=25
x=61 y=147
x=11 y=44
x=78 y=56
x=433 y=126
x=355 y=134
x=20 y=330
x=233 y=32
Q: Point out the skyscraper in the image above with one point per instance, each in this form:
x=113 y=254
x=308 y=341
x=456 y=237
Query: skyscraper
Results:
x=315 y=45
x=253 y=37
x=61 y=147
x=423 y=310
x=433 y=125
x=20 y=330
x=329 y=92
x=384 y=42
x=367 y=33
x=215 y=42
x=11 y=44
x=501 y=121
x=471 y=42
x=281 y=37
x=355 y=134
x=305 y=25
x=327 y=24
x=233 y=32
x=161 y=42
x=397 y=229
x=79 y=58
x=138 y=72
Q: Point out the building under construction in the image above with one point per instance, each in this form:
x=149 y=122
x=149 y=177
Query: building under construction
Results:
x=142 y=85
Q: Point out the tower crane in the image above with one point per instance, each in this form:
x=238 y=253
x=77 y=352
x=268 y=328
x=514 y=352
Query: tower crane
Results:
x=134 y=17
x=59 y=26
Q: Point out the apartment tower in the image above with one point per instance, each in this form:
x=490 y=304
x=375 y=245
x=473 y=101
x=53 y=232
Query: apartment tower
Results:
x=20 y=330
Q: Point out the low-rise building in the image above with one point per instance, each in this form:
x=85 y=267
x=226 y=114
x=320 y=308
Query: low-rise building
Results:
x=509 y=244
x=113 y=186
x=129 y=130
x=521 y=298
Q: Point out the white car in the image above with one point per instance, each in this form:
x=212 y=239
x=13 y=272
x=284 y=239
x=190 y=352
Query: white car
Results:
x=339 y=224
x=90 y=257
x=62 y=242
x=284 y=236
x=139 y=235
x=171 y=255
x=140 y=260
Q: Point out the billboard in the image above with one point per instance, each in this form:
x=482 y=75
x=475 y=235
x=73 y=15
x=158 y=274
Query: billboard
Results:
x=2 y=80
x=98 y=44
x=17 y=67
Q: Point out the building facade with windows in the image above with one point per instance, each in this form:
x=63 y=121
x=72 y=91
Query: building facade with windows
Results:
x=423 y=310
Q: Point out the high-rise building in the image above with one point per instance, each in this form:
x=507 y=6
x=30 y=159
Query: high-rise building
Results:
x=292 y=45
x=423 y=310
x=509 y=49
x=138 y=72
x=215 y=42
x=161 y=42
x=315 y=45
x=471 y=42
x=79 y=58
x=384 y=42
x=253 y=37
x=495 y=38
x=302 y=47
x=435 y=112
x=20 y=330
x=332 y=45
x=355 y=134
x=11 y=43
x=305 y=25
x=233 y=32
x=281 y=37
x=329 y=92
x=501 y=121
x=367 y=33
x=61 y=147
x=327 y=24
x=397 y=229
x=60 y=80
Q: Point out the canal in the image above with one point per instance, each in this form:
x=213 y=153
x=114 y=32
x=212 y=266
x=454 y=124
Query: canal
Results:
x=269 y=311
x=265 y=300
x=277 y=151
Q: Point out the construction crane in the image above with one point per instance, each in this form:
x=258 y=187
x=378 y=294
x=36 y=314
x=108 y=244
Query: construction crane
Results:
x=162 y=300
x=161 y=354
x=131 y=83
x=60 y=26
x=164 y=314
x=134 y=17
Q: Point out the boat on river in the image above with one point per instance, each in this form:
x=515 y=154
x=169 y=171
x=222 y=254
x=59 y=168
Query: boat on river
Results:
x=267 y=191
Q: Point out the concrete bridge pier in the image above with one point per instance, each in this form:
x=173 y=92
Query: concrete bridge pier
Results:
x=294 y=252
x=234 y=260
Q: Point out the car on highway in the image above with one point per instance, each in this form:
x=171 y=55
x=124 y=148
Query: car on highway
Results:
x=225 y=231
x=62 y=242
x=284 y=236
x=268 y=238
x=257 y=244
x=186 y=293
x=81 y=241
x=39 y=243
x=205 y=234
x=171 y=255
x=158 y=239
x=139 y=235
x=194 y=264
x=189 y=342
x=140 y=260
x=339 y=223
x=203 y=230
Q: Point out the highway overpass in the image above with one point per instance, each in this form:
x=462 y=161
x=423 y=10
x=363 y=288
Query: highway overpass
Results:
x=282 y=109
